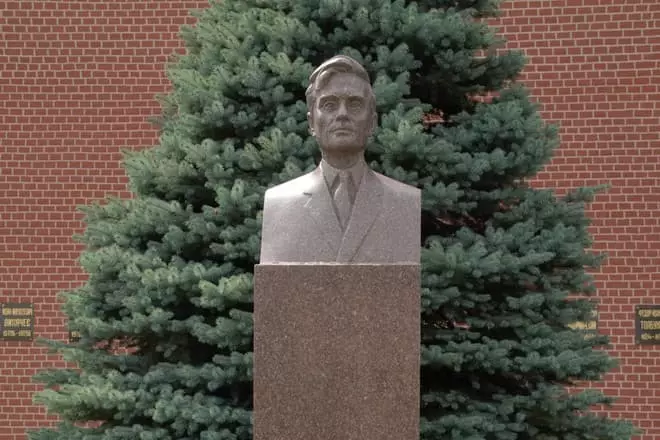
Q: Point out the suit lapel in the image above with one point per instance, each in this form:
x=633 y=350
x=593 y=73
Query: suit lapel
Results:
x=319 y=207
x=368 y=203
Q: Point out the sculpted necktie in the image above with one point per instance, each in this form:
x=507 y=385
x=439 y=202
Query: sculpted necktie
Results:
x=343 y=197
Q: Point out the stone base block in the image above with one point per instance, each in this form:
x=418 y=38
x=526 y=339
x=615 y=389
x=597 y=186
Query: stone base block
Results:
x=336 y=352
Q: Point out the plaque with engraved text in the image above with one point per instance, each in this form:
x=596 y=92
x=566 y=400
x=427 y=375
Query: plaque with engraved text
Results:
x=589 y=327
x=647 y=324
x=17 y=321
x=74 y=336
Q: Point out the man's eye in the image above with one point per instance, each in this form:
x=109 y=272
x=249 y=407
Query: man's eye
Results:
x=355 y=104
x=329 y=105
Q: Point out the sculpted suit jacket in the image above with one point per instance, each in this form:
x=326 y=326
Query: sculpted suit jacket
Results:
x=300 y=224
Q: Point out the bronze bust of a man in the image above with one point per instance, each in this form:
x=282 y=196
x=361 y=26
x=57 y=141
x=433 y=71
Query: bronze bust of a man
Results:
x=342 y=211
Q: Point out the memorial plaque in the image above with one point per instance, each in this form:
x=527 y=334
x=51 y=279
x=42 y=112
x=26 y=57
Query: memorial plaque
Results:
x=647 y=324
x=74 y=336
x=17 y=321
x=589 y=326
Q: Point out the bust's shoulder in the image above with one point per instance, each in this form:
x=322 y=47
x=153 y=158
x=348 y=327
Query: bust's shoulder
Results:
x=292 y=188
x=397 y=188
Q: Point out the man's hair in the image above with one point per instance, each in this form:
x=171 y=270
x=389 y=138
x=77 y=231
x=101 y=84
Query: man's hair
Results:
x=337 y=64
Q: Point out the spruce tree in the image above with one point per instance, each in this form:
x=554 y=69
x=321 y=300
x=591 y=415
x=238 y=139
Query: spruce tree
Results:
x=165 y=316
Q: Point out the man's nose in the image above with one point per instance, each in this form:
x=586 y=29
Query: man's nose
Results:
x=342 y=111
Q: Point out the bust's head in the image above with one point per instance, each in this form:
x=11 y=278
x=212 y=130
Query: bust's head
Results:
x=341 y=106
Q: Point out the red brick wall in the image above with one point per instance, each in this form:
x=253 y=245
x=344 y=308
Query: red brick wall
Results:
x=77 y=82
x=595 y=68
x=78 y=79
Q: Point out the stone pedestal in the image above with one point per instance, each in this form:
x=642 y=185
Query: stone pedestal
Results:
x=336 y=352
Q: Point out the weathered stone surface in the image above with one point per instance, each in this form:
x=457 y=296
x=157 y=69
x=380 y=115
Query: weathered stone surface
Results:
x=343 y=211
x=336 y=352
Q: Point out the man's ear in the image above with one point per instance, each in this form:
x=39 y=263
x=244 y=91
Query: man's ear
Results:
x=374 y=122
x=310 y=121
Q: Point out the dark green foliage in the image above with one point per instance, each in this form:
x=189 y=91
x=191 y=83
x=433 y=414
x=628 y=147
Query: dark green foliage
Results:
x=166 y=313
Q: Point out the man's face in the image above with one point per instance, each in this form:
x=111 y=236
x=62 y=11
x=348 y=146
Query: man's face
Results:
x=342 y=118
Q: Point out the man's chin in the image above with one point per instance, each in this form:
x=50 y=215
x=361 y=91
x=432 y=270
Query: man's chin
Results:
x=344 y=147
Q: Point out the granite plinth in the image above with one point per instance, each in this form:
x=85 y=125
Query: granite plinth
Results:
x=336 y=352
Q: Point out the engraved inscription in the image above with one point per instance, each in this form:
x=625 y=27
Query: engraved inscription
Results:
x=590 y=326
x=17 y=321
x=647 y=324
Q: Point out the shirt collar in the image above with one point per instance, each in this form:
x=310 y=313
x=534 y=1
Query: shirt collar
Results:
x=330 y=173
